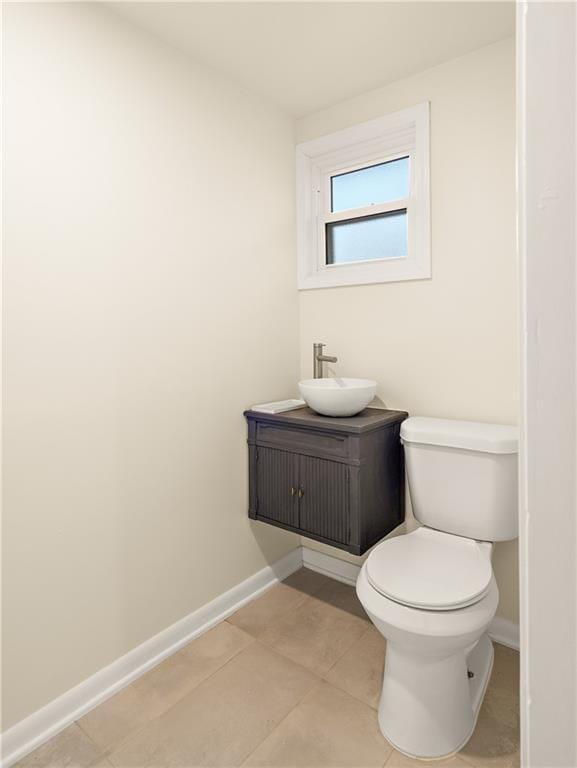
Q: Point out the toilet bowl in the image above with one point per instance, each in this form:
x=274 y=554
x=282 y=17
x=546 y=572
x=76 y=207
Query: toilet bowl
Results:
x=429 y=701
x=432 y=593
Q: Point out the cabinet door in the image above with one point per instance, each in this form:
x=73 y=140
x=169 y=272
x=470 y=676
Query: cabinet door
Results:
x=276 y=486
x=324 y=498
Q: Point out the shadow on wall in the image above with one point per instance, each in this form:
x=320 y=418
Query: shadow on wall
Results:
x=323 y=588
x=273 y=542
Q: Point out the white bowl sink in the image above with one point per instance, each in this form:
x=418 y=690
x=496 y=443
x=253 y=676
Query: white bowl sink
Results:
x=338 y=397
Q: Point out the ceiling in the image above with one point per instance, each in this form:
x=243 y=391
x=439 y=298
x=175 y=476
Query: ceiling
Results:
x=307 y=56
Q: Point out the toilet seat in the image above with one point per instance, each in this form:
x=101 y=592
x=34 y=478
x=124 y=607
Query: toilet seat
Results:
x=431 y=570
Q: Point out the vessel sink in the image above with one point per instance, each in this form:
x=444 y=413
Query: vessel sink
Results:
x=338 y=397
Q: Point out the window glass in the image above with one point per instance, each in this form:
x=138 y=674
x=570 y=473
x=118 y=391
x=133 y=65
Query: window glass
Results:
x=368 y=186
x=382 y=236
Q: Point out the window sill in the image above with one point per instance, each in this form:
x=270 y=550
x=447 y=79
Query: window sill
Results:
x=364 y=273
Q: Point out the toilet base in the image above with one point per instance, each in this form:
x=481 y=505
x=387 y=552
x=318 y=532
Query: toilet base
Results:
x=429 y=706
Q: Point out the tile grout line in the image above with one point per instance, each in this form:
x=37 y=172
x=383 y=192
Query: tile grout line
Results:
x=258 y=638
x=306 y=596
x=107 y=752
x=281 y=655
x=282 y=720
x=76 y=723
x=101 y=756
x=298 y=606
x=310 y=692
x=318 y=679
x=88 y=736
x=309 y=669
x=278 y=618
x=366 y=632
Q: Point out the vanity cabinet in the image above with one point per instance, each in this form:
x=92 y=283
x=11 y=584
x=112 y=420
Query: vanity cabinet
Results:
x=336 y=480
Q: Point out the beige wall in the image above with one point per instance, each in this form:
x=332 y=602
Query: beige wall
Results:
x=150 y=297
x=447 y=346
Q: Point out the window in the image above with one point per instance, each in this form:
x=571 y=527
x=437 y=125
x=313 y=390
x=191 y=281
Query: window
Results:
x=363 y=203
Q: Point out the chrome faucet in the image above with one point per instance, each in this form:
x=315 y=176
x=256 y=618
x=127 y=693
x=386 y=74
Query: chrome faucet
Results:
x=319 y=359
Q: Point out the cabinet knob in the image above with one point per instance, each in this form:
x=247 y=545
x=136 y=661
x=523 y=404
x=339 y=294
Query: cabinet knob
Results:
x=293 y=490
x=301 y=493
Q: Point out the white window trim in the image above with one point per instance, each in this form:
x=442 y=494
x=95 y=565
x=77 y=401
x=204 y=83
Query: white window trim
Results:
x=400 y=134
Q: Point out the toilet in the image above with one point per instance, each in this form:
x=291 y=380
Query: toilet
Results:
x=432 y=592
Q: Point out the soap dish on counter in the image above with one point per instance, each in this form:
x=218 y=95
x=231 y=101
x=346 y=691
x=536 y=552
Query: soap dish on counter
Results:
x=280 y=406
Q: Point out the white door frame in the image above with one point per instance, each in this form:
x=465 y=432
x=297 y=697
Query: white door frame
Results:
x=546 y=90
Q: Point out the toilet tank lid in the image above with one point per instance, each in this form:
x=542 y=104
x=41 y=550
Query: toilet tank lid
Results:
x=467 y=435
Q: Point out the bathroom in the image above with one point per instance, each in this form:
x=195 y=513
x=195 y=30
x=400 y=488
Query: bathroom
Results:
x=161 y=278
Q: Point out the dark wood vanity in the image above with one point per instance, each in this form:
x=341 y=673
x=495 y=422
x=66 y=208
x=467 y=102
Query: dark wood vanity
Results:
x=337 y=480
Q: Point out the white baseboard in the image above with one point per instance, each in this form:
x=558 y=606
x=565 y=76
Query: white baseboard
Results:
x=329 y=565
x=505 y=632
x=501 y=630
x=42 y=725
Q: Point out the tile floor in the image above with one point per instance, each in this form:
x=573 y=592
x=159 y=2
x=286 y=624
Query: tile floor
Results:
x=291 y=679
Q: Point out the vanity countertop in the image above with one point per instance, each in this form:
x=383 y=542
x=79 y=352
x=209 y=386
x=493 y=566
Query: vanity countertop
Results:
x=366 y=421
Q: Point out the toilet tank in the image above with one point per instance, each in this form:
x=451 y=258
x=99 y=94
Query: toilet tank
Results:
x=463 y=476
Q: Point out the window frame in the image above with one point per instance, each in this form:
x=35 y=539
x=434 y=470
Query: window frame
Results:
x=394 y=136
